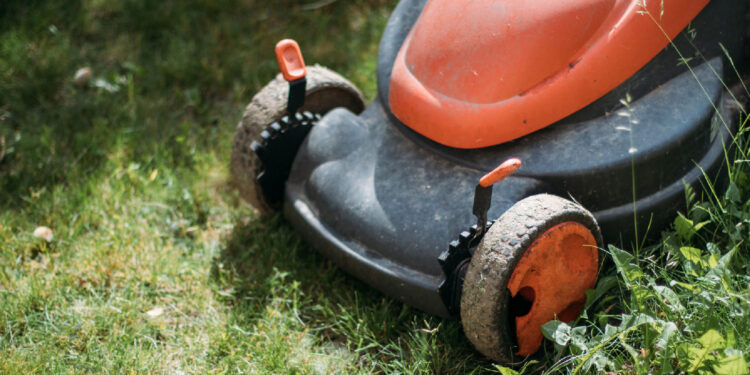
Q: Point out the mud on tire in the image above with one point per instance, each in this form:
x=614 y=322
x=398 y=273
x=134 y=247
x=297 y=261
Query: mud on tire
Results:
x=485 y=299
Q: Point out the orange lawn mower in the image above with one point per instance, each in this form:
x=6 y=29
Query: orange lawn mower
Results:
x=598 y=112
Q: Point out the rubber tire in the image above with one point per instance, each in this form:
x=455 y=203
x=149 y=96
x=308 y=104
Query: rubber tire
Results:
x=326 y=90
x=485 y=298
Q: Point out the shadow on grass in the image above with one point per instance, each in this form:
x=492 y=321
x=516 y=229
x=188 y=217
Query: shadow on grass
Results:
x=260 y=250
x=263 y=257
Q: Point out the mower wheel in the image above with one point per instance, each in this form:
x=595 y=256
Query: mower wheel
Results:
x=533 y=265
x=325 y=90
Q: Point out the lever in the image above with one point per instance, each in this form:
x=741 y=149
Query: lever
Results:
x=292 y=66
x=483 y=191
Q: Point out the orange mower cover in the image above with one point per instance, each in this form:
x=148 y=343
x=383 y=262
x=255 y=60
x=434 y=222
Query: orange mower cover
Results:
x=477 y=73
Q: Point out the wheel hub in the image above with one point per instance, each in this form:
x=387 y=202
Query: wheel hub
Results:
x=550 y=280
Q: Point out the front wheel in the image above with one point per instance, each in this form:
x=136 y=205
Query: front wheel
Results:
x=532 y=266
x=325 y=90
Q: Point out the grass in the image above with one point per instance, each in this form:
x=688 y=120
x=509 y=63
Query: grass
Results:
x=157 y=266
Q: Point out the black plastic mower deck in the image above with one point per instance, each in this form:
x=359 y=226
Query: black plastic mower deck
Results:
x=384 y=202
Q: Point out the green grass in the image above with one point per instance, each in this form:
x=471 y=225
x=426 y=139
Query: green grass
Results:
x=157 y=266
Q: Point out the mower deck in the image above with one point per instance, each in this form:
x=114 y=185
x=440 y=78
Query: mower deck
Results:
x=384 y=207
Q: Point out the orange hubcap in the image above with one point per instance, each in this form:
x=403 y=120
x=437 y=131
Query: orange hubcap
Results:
x=552 y=277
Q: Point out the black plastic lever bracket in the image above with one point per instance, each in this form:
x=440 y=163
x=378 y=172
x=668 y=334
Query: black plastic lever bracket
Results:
x=296 y=99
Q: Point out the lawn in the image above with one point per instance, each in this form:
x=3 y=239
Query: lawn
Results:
x=157 y=266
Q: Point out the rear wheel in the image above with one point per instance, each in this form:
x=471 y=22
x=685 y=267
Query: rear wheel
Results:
x=325 y=90
x=532 y=266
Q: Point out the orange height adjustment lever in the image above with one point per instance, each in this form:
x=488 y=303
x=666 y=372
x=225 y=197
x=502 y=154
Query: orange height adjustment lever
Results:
x=483 y=191
x=292 y=66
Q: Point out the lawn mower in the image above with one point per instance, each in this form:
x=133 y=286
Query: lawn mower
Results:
x=588 y=117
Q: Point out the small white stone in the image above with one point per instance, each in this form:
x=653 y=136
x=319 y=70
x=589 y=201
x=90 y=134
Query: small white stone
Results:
x=82 y=76
x=43 y=233
x=155 y=312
